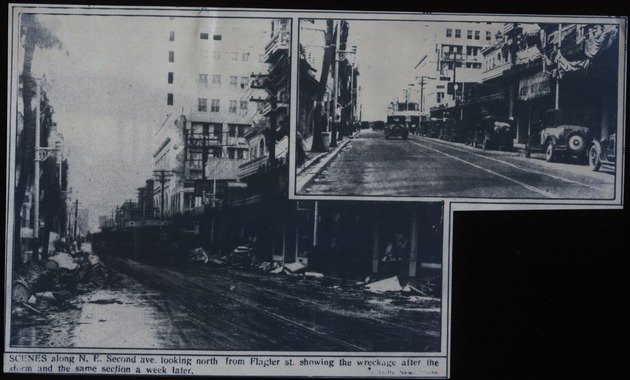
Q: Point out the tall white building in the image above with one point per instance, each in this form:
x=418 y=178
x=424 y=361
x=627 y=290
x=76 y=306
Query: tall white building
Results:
x=207 y=68
x=457 y=59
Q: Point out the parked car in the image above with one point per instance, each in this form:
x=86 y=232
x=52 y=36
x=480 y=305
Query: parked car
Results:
x=562 y=134
x=364 y=125
x=603 y=153
x=453 y=130
x=396 y=126
x=493 y=132
x=435 y=127
x=425 y=125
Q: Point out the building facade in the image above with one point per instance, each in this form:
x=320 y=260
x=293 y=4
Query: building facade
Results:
x=210 y=105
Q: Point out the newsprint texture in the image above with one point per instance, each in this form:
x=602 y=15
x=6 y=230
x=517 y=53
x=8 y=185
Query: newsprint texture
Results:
x=252 y=192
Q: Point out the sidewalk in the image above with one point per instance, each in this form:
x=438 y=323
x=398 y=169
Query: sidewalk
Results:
x=317 y=161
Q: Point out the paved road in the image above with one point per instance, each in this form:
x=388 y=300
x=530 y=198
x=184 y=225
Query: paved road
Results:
x=227 y=309
x=426 y=167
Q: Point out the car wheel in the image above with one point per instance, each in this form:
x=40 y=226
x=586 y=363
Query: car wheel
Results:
x=593 y=159
x=550 y=152
x=528 y=151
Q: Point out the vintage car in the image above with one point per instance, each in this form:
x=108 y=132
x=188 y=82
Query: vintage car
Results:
x=493 y=132
x=378 y=125
x=563 y=133
x=424 y=127
x=396 y=126
x=453 y=130
x=435 y=127
x=603 y=153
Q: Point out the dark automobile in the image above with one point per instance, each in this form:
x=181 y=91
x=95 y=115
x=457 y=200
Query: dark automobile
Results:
x=493 y=132
x=564 y=133
x=378 y=125
x=453 y=130
x=424 y=127
x=435 y=127
x=364 y=125
x=396 y=126
x=603 y=153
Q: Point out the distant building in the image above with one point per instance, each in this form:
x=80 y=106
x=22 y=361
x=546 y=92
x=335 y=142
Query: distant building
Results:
x=456 y=62
x=209 y=107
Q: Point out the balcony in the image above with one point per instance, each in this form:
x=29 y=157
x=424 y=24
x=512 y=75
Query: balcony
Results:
x=495 y=71
x=279 y=43
x=251 y=167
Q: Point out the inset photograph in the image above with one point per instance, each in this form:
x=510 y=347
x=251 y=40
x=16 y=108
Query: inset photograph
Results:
x=460 y=110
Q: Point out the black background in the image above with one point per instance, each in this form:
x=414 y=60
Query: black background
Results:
x=535 y=294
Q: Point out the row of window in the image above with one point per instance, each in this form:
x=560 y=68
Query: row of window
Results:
x=202 y=105
x=216 y=80
x=216 y=55
x=471 y=34
x=203 y=36
x=459 y=49
x=233 y=56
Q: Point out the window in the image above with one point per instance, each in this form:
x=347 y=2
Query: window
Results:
x=216 y=153
x=170 y=77
x=240 y=154
x=241 y=130
x=171 y=56
x=171 y=35
x=244 y=105
x=488 y=36
x=202 y=105
x=203 y=36
x=203 y=80
x=244 y=82
x=216 y=80
x=449 y=32
x=440 y=97
x=169 y=99
x=231 y=153
x=477 y=34
x=232 y=132
x=470 y=35
x=216 y=37
x=458 y=33
x=245 y=57
x=216 y=55
x=233 y=80
x=214 y=105
x=232 y=108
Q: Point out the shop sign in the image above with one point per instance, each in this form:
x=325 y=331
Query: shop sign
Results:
x=534 y=86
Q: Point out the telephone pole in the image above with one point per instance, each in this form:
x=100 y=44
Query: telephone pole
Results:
x=76 y=213
x=422 y=82
x=163 y=176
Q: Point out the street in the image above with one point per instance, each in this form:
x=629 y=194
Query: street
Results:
x=191 y=306
x=427 y=167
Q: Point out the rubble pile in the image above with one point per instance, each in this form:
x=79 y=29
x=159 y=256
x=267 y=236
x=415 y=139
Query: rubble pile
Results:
x=51 y=284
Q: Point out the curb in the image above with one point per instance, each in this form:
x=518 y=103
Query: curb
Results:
x=326 y=158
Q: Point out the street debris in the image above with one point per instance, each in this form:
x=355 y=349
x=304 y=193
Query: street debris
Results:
x=107 y=301
x=313 y=274
x=391 y=284
x=61 y=260
x=198 y=255
x=295 y=267
x=408 y=290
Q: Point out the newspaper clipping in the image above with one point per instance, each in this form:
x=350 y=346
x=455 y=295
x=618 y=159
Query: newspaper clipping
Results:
x=239 y=192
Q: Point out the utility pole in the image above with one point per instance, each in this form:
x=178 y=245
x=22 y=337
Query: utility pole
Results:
x=559 y=44
x=76 y=213
x=333 y=137
x=163 y=176
x=36 y=172
x=422 y=82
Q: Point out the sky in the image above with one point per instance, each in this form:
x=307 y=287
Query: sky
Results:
x=108 y=90
x=387 y=54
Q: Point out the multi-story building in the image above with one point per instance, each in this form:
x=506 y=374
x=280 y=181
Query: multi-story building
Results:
x=458 y=62
x=209 y=108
